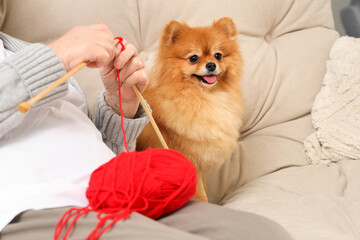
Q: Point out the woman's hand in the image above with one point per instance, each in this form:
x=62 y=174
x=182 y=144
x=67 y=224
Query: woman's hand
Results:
x=94 y=44
x=132 y=72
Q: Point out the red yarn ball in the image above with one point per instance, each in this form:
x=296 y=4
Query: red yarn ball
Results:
x=153 y=182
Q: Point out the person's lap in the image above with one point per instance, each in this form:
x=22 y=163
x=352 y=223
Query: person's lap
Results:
x=194 y=221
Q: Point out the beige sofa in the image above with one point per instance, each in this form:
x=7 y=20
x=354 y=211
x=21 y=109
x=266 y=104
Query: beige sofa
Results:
x=285 y=45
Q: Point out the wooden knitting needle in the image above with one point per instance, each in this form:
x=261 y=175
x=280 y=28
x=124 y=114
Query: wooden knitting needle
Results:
x=25 y=106
x=148 y=113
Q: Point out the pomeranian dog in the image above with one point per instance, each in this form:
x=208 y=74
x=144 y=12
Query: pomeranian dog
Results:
x=194 y=92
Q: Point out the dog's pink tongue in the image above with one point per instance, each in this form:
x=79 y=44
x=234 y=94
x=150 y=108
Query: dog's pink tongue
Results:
x=210 y=79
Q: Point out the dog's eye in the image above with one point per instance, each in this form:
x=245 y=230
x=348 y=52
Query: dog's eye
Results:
x=218 y=56
x=194 y=59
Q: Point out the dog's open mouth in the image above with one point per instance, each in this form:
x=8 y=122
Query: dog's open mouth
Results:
x=207 y=79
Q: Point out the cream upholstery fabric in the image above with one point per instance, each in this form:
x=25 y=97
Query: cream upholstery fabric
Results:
x=285 y=45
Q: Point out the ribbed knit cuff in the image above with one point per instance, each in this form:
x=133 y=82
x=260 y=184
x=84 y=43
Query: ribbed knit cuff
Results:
x=109 y=123
x=38 y=66
x=13 y=44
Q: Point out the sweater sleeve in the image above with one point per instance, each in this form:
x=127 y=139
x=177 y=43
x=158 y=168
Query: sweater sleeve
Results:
x=22 y=76
x=109 y=123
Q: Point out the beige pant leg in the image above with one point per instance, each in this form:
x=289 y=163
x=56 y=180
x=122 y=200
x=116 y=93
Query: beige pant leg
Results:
x=195 y=221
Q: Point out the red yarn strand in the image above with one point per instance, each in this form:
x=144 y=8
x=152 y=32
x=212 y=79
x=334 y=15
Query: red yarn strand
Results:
x=121 y=112
x=103 y=221
x=65 y=218
x=80 y=214
x=120 y=39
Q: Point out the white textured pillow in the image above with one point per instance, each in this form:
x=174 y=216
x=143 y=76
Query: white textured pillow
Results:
x=336 y=110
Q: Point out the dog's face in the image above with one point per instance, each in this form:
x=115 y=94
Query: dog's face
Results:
x=205 y=56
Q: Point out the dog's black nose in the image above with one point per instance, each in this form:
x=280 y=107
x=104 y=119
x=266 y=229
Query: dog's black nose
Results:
x=210 y=66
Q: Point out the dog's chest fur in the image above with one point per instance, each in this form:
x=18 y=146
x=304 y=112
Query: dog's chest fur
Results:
x=204 y=129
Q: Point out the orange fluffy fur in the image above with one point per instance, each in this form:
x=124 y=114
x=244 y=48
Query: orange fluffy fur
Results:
x=201 y=120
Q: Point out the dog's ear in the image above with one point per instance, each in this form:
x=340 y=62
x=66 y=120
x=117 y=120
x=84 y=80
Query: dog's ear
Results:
x=172 y=31
x=226 y=25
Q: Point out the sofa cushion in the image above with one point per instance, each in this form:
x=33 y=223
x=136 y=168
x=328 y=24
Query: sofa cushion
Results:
x=319 y=201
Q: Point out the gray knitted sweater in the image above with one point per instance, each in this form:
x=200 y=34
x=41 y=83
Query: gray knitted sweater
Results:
x=32 y=68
